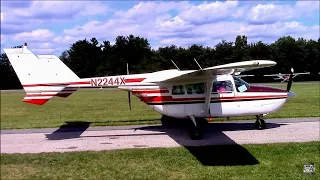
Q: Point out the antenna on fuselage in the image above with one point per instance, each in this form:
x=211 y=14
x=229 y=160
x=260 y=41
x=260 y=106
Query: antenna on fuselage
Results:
x=175 y=65
x=197 y=63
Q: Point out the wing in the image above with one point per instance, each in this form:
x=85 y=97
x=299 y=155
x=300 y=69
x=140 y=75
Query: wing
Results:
x=277 y=74
x=301 y=73
x=244 y=75
x=208 y=73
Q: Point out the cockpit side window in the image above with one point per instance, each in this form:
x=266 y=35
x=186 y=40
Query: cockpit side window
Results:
x=222 y=86
x=197 y=88
x=178 y=89
x=241 y=85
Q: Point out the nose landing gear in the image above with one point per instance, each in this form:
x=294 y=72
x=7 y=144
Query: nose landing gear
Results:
x=260 y=123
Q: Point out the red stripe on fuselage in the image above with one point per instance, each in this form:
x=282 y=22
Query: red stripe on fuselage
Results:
x=134 y=80
x=150 y=91
x=157 y=99
x=57 y=84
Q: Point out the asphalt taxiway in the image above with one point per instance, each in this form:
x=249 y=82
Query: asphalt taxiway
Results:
x=79 y=136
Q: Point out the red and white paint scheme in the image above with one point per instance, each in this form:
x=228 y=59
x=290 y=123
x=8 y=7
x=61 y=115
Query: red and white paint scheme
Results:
x=174 y=93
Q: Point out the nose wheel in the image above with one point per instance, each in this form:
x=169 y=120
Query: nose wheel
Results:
x=260 y=123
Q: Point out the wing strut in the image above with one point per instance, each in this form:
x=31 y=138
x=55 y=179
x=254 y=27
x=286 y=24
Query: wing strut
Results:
x=209 y=85
x=129 y=97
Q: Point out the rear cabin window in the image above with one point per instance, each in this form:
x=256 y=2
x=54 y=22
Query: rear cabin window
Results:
x=197 y=88
x=222 y=86
x=178 y=89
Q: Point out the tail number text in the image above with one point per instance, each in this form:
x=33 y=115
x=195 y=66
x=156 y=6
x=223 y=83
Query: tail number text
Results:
x=107 y=81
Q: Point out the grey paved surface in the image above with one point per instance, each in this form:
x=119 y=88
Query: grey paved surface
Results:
x=106 y=138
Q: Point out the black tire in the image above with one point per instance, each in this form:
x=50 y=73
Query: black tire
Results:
x=165 y=120
x=195 y=133
x=260 y=125
x=202 y=124
x=263 y=124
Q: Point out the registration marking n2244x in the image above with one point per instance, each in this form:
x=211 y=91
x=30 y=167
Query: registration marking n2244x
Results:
x=107 y=81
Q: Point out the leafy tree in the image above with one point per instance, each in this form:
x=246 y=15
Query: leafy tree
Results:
x=224 y=52
x=84 y=57
x=9 y=79
x=241 y=50
x=88 y=58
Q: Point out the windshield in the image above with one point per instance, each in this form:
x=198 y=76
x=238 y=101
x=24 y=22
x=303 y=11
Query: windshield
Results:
x=240 y=84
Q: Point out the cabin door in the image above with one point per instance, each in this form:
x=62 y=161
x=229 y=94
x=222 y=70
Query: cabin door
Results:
x=223 y=102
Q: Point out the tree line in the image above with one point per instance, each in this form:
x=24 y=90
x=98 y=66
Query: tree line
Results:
x=89 y=58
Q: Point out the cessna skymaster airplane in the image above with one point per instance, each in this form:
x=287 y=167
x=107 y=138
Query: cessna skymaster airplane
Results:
x=185 y=94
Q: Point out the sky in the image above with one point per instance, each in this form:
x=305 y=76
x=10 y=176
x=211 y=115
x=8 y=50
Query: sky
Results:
x=50 y=27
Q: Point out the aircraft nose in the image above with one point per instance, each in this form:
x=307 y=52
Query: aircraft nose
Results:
x=291 y=94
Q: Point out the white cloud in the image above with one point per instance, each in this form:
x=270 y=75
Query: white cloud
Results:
x=307 y=8
x=36 y=35
x=272 y=13
x=57 y=9
x=44 y=48
x=146 y=10
x=162 y=23
x=309 y=33
x=22 y=18
x=269 y=13
x=210 y=12
x=63 y=40
x=184 y=42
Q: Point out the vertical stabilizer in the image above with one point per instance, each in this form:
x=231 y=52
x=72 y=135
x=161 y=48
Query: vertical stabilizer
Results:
x=36 y=72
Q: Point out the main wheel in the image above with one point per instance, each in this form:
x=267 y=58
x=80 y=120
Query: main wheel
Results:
x=195 y=133
x=165 y=120
x=260 y=124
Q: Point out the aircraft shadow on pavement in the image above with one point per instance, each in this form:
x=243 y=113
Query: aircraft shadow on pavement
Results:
x=74 y=129
x=216 y=148
x=69 y=130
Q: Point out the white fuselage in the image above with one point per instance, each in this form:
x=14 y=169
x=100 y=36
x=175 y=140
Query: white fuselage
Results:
x=252 y=101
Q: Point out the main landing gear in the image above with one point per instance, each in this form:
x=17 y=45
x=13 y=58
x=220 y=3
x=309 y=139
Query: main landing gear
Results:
x=197 y=128
x=260 y=123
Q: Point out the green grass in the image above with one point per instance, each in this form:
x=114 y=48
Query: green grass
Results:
x=270 y=161
x=110 y=107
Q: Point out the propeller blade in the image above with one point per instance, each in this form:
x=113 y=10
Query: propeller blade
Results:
x=290 y=80
x=129 y=95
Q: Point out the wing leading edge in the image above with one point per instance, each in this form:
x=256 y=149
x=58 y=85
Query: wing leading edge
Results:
x=207 y=73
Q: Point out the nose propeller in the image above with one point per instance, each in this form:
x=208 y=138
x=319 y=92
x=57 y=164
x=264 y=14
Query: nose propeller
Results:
x=290 y=80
